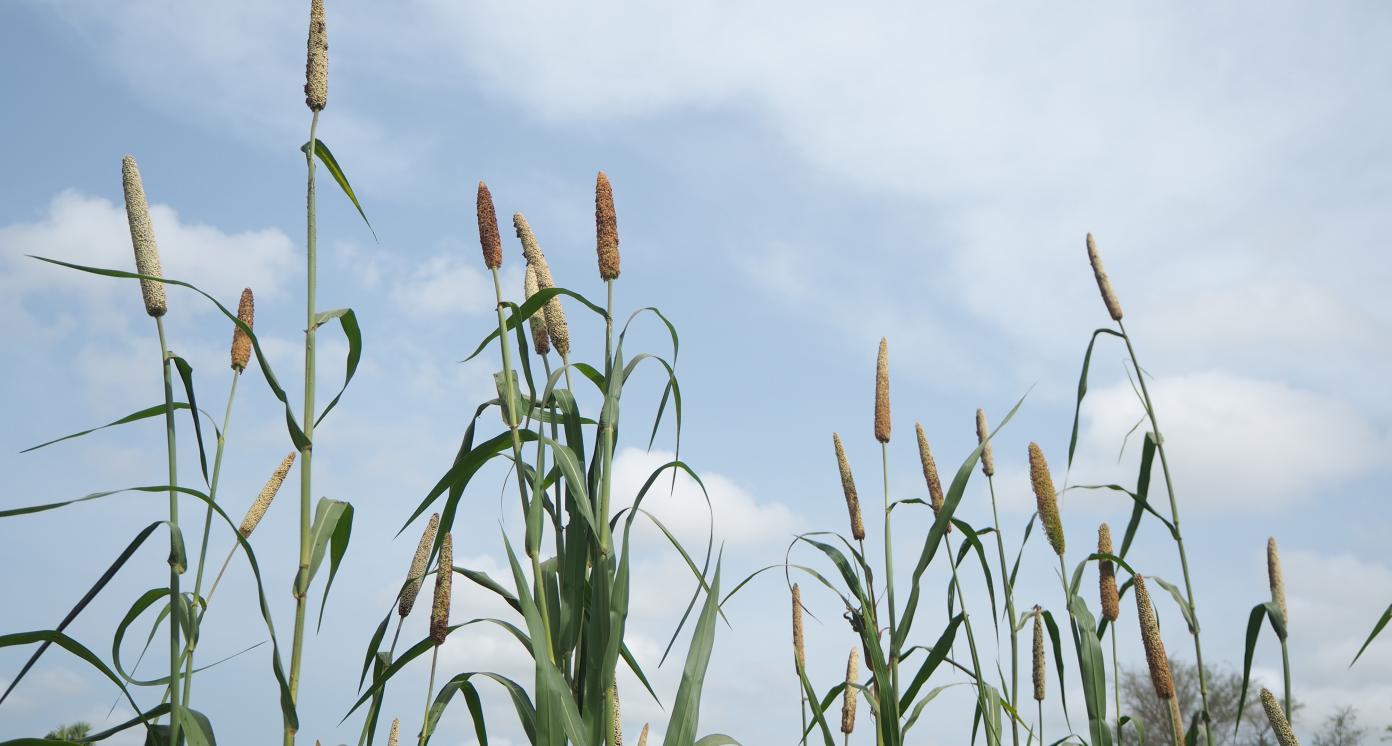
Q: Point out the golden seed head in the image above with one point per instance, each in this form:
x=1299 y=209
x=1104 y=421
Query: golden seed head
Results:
x=416 y=574
x=1277 y=717
x=1103 y=284
x=849 y=488
x=930 y=473
x=241 y=342
x=394 y=738
x=556 y=326
x=1154 y=646
x=1046 y=498
x=488 y=229
x=851 y=695
x=317 y=62
x=1038 y=654
x=882 y=424
x=268 y=493
x=541 y=341
x=1273 y=575
x=444 y=578
x=606 y=228
x=1106 y=576
x=988 y=460
x=798 y=656
x=643 y=737
x=616 y=715
x=147 y=260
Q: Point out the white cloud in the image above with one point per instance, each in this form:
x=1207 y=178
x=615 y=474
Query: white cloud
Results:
x=450 y=284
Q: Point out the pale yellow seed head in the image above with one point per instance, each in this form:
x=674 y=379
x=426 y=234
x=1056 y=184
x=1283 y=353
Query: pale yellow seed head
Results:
x=930 y=473
x=988 y=460
x=555 y=315
x=798 y=657
x=643 y=737
x=415 y=576
x=541 y=341
x=1280 y=725
x=1103 y=284
x=241 y=342
x=616 y=715
x=1106 y=576
x=1159 y=664
x=1045 y=498
x=851 y=696
x=394 y=738
x=142 y=232
x=848 y=487
x=444 y=577
x=606 y=229
x=268 y=493
x=1278 y=586
x=1039 y=671
x=882 y=423
x=317 y=60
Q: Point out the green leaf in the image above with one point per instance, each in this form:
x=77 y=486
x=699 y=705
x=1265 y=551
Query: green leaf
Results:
x=1381 y=622
x=186 y=375
x=686 y=708
x=1254 y=620
x=348 y=321
x=322 y=151
x=146 y=413
x=1082 y=390
x=54 y=637
x=533 y=305
x=338 y=546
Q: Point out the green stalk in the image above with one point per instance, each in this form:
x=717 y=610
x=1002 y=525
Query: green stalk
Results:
x=174 y=596
x=971 y=643
x=1285 y=671
x=301 y=590
x=606 y=429
x=1010 y=611
x=1178 y=537
x=1116 y=685
x=207 y=529
x=425 y=723
x=1039 y=704
x=889 y=571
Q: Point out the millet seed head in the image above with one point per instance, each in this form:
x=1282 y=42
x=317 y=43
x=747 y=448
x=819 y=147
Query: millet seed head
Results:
x=415 y=576
x=142 y=232
x=444 y=580
x=257 y=511
x=1103 y=284
x=541 y=340
x=851 y=695
x=556 y=326
x=1278 y=586
x=615 y=715
x=798 y=657
x=489 y=239
x=1045 y=498
x=1160 y=676
x=1039 y=675
x=988 y=460
x=317 y=61
x=241 y=342
x=848 y=487
x=930 y=473
x=394 y=738
x=606 y=229
x=1106 y=576
x=882 y=424
x=643 y=737
x=1280 y=725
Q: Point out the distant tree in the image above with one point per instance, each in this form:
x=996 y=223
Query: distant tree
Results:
x=1341 y=729
x=70 y=732
x=1138 y=700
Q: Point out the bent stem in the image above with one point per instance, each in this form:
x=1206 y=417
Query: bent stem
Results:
x=174 y=596
x=1010 y=611
x=1178 y=537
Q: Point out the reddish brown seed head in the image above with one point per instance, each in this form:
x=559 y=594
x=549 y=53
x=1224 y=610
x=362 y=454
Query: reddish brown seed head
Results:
x=1045 y=498
x=1039 y=671
x=1106 y=576
x=606 y=229
x=489 y=239
x=1159 y=665
x=849 y=489
x=444 y=577
x=241 y=342
x=930 y=473
x=882 y=423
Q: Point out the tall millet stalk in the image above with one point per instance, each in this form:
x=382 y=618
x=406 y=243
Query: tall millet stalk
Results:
x=988 y=467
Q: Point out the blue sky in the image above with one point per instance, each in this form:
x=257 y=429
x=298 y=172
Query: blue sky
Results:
x=790 y=188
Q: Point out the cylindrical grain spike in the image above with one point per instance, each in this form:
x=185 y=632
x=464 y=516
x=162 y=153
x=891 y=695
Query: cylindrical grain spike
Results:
x=444 y=579
x=394 y=738
x=241 y=342
x=541 y=341
x=1039 y=677
x=268 y=493
x=142 y=232
x=798 y=657
x=1278 y=586
x=615 y=715
x=489 y=239
x=988 y=460
x=416 y=574
x=1159 y=665
x=1046 y=498
x=1106 y=576
x=849 y=488
x=317 y=62
x=643 y=737
x=556 y=326
x=1103 y=284
x=851 y=695
x=930 y=473
x=882 y=423
x=1280 y=725
x=606 y=229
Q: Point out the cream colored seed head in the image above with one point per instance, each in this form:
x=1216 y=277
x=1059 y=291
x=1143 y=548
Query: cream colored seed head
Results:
x=416 y=574
x=606 y=229
x=444 y=578
x=1159 y=665
x=241 y=342
x=988 y=460
x=1103 y=284
x=317 y=61
x=142 y=231
x=616 y=715
x=1045 y=498
x=849 y=488
x=489 y=239
x=268 y=493
x=1278 y=586
x=541 y=341
x=798 y=656
x=394 y=739
x=555 y=315
x=1039 y=677
x=643 y=737
x=1280 y=725
x=930 y=473
x=1106 y=576
x=851 y=696
x=882 y=423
